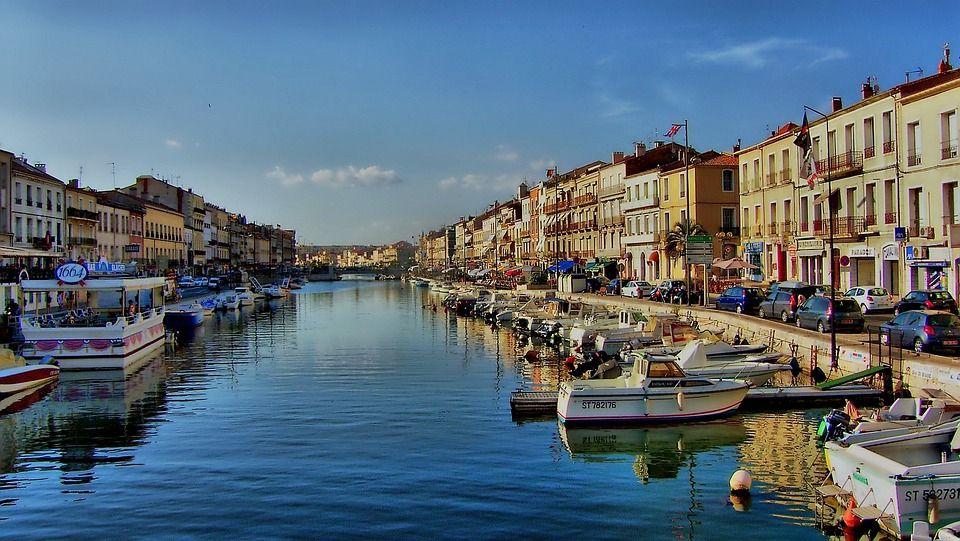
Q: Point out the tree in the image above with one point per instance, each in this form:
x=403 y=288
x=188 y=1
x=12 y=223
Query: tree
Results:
x=676 y=242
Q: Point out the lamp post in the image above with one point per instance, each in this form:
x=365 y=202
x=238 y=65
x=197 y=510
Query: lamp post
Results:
x=833 y=279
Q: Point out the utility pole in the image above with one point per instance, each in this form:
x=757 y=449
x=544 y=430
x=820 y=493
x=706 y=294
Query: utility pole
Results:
x=831 y=218
x=686 y=181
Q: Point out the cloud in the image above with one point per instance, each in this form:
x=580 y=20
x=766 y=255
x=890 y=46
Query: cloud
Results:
x=542 y=165
x=481 y=183
x=351 y=176
x=614 y=107
x=757 y=54
x=172 y=143
x=281 y=176
x=506 y=154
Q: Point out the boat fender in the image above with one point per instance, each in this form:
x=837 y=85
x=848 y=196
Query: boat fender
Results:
x=933 y=507
x=740 y=481
x=680 y=400
x=850 y=520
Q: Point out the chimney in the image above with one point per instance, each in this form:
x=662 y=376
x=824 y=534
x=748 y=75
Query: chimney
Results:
x=74 y=183
x=41 y=166
x=639 y=149
x=945 y=63
x=866 y=89
x=617 y=157
x=837 y=104
x=736 y=147
x=657 y=144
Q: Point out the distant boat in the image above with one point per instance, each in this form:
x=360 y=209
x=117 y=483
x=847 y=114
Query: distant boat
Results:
x=244 y=295
x=184 y=316
x=228 y=302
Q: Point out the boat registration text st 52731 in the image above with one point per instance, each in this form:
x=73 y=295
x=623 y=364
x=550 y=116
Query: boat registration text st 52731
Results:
x=940 y=493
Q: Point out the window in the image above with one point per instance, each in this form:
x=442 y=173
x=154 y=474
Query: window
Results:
x=666 y=188
x=728 y=219
x=17 y=195
x=29 y=194
x=39 y=197
x=886 y=128
x=18 y=228
x=868 y=138
x=59 y=203
x=948 y=135
x=914 y=143
x=683 y=185
x=727 y=180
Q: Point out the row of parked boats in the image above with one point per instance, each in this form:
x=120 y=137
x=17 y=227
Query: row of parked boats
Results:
x=634 y=367
x=193 y=313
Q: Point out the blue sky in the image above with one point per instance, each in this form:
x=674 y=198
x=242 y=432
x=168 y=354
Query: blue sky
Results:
x=360 y=122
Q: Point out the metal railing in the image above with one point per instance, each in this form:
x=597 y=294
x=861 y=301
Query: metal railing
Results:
x=948 y=150
x=890 y=218
x=786 y=175
x=889 y=146
x=841 y=165
x=83 y=214
x=843 y=227
x=913 y=158
x=869 y=152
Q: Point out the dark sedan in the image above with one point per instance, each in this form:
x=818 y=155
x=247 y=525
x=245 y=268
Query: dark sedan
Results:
x=923 y=330
x=821 y=313
x=926 y=299
x=740 y=299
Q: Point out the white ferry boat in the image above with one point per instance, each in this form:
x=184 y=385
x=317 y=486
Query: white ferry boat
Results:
x=94 y=323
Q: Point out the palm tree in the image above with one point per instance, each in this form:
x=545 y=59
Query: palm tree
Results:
x=676 y=242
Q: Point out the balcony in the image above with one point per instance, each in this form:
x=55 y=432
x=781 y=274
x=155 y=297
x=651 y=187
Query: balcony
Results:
x=846 y=227
x=870 y=220
x=771 y=179
x=81 y=241
x=890 y=218
x=610 y=190
x=200 y=211
x=19 y=201
x=612 y=221
x=732 y=230
x=841 y=165
x=585 y=199
x=785 y=175
x=40 y=243
x=913 y=157
x=805 y=226
x=649 y=201
x=889 y=147
x=869 y=152
x=786 y=228
x=82 y=214
x=554 y=208
x=948 y=150
x=772 y=229
x=758 y=230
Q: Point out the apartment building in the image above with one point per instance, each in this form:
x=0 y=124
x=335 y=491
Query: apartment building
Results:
x=37 y=210
x=82 y=221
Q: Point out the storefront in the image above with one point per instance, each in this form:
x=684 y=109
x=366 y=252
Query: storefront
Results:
x=928 y=266
x=863 y=265
x=810 y=255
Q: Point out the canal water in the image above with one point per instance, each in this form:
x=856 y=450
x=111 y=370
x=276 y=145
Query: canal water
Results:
x=348 y=410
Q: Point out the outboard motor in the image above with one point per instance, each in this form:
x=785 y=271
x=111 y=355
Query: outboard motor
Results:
x=592 y=363
x=608 y=370
x=833 y=426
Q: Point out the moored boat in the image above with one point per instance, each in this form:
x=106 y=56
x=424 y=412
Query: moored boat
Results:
x=244 y=295
x=16 y=375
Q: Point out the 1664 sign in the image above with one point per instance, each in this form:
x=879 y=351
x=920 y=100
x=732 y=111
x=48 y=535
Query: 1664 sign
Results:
x=71 y=273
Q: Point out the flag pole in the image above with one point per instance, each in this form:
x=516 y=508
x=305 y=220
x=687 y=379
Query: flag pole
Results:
x=686 y=181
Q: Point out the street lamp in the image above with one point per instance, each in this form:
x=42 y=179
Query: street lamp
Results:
x=831 y=218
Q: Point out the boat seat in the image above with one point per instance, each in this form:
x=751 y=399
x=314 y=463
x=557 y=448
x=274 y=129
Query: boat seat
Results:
x=868 y=512
x=831 y=491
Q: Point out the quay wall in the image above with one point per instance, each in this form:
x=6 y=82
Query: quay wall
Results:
x=919 y=371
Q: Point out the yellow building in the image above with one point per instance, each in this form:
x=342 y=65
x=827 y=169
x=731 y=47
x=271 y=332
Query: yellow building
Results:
x=163 y=236
x=713 y=201
x=82 y=222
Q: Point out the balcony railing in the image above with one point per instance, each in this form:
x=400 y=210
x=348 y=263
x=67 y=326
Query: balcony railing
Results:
x=731 y=229
x=610 y=190
x=841 y=165
x=948 y=150
x=870 y=220
x=82 y=241
x=805 y=226
x=786 y=227
x=846 y=227
x=771 y=179
x=785 y=175
x=553 y=208
x=913 y=230
x=609 y=221
x=889 y=146
x=913 y=157
x=869 y=152
x=758 y=230
x=585 y=199
x=82 y=214
x=18 y=201
x=772 y=229
x=890 y=218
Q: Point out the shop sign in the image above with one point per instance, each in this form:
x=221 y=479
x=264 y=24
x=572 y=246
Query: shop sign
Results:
x=862 y=251
x=809 y=247
x=753 y=247
x=71 y=273
x=914 y=253
x=891 y=252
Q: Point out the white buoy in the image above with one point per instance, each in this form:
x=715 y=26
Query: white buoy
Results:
x=740 y=481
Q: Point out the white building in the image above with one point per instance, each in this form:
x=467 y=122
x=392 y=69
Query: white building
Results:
x=38 y=207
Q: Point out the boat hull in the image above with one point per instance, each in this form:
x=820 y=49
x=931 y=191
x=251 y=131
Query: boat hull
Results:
x=642 y=405
x=14 y=380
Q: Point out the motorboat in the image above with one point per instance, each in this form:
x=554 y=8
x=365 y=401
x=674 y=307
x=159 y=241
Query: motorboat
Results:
x=935 y=408
x=185 y=315
x=583 y=335
x=244 y=295
x=108 y=321
x=664 y=329
x=693 y=359
x=16 y=375
x=720 y=351
x=208 y=305
x=902 y=478
x=296 y=283
x=419 y=282
x=228 y=302
x=653 y=391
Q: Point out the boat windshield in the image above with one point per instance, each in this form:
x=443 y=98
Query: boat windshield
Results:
x=664 y=369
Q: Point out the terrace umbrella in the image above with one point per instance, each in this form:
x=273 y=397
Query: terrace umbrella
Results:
x=514 y=272
x=734 y=264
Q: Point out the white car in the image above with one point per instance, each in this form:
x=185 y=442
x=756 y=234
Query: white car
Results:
x=186 y=281
x=200 y=281
x=637 y=289
x=871 y=298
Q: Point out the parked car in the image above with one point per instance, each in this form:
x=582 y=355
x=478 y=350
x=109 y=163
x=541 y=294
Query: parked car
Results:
x=739 y=299
x=186 y=281
x=871 y=298
x=922 y=330
x=200 y=281
x=214 y=283
x=926 y=299
x=784 y=298
x=637 y=289
x=662 y=293
x=824 y=290
x=612 y=288
x=821 y=313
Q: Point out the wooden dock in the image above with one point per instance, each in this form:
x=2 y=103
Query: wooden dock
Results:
x=537 y=403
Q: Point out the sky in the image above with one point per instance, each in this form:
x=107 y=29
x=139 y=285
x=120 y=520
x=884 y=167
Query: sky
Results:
x=369 y=122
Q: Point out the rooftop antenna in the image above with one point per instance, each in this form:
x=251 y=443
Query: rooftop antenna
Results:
x=113 y=173
x=80 y=176
x=918 y=71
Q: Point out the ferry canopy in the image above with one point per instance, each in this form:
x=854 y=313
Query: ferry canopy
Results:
x=94 y=284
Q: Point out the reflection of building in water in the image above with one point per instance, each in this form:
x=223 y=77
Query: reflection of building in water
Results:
x=659 y=452
x=85 y=419
x=782 y=453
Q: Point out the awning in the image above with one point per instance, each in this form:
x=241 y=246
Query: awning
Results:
x=503 y=234
x=565 y=266
x=937 y=264
x=593 y=265
x=734 y=264
x=654 y=257
x=13 y=251
x=491 y=237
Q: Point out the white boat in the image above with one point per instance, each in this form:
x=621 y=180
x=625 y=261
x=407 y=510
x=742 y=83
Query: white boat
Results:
x=273 y=291
x=16 y=375
x=113 y=322
x=901 y=478
x=694 y=361
x=654 y=391
x=228 y=302
x=208 y=306
x=936 y=408
x=666 y=329
x=244 y=295
x=185 y=315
